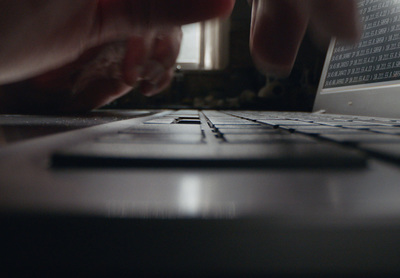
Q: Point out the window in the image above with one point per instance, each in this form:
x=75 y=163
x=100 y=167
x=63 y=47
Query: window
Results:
x=191 y=44
x=205 y=45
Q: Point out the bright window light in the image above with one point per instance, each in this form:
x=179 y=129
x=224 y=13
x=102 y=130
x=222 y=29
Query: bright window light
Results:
x=191 y=44
x=205 y=46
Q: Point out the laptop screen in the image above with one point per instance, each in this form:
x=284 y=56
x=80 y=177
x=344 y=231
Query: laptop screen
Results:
x=376 y=58
x=363 y=79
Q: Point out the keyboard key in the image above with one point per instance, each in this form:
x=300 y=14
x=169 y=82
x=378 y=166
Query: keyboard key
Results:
x=261 y=130
x=235 y=126
x=267 y=138
x=387 y=130
x=162 y=129
x=278 y=155
x=321 y=131
x=164 y=120
x=388 y=151
x=361 y=138
x=152 y=138
x=284 y=122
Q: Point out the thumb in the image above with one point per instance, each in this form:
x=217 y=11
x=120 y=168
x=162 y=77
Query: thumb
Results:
x=126 y=17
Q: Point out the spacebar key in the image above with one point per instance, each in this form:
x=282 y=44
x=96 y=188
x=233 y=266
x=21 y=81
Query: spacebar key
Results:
x=275 y=155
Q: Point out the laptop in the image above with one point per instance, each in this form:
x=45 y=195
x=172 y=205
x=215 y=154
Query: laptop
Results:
x=217 y=193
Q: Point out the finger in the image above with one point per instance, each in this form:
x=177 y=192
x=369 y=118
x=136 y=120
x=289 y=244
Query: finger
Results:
x=138 y=51
x=122 y=17
x=96 y=94
x=149 y=88
x=165 y=53
x=339 y=18
x=278 y=27
x=148 y=58
x=167 y=46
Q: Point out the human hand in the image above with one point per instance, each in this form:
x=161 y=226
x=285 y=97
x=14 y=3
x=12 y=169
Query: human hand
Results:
x=52 y=37
x=100 y=75
x=278 y=27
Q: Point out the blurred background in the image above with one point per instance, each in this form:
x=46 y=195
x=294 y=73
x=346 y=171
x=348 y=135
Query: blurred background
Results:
x=215 y=71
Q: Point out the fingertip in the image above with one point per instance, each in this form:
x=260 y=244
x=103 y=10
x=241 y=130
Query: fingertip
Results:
x=272 y=70
x=278 y=28
x=338 y=18
x=131 y=76
x=151 y=88
x=167 y=46
x=96 y=94
x=148 y=88
x=271 y=58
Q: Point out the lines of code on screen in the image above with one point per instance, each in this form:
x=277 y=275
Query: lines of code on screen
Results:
x=376 y=58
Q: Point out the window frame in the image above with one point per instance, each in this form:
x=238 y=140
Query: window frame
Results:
x=214 y=46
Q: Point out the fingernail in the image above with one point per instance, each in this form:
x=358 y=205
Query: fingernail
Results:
x=148 y=89
x=132 y=75
x=153 y=71
x=271 y=70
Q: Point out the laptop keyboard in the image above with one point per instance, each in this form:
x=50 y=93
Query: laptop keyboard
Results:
x=191 y=138
x=376 y=136
x=341 y=129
